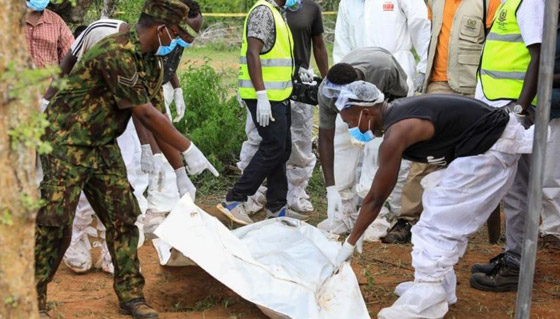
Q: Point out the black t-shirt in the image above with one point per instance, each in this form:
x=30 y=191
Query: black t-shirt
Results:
x=463 y=126
x=171 y=62
x=304 y=23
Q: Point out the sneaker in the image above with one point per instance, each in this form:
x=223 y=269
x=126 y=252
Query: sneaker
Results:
x=489 y=267
x=43 y=314
x=502 y=278
x=399 y=234
x=235 y=211
x=138 y=309
x=285 y=212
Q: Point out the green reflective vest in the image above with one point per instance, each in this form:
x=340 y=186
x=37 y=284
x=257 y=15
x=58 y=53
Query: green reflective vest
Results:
x=505 y=57
x=277 y=64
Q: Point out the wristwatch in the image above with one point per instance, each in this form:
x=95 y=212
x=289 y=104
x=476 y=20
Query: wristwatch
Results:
x=518 y=109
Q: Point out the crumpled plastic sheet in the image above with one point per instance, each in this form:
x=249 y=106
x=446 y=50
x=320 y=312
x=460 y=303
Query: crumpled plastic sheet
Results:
x=284 y=266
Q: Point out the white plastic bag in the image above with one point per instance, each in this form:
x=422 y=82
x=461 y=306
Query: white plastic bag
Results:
x=283 y=265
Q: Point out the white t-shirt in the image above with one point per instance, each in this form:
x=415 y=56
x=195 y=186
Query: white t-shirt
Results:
x=530 y=18
x=94 y=33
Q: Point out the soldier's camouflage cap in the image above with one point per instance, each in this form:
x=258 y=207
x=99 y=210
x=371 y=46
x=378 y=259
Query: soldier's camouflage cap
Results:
x=170 y=11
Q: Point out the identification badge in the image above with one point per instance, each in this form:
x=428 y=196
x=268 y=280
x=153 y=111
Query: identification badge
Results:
x=388 y=6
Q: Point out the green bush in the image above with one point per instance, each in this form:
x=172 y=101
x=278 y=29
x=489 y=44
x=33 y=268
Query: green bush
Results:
x=213 y=120
x=129 y=10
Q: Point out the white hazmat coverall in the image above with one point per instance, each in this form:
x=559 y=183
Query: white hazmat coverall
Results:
x=395 y=25
x=457 y=202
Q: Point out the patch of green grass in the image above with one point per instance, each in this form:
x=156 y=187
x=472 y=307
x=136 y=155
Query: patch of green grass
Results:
x=205 y=304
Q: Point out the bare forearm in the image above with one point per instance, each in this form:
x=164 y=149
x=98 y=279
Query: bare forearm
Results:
x=145 y=136
x=140 y=131
x=326 y=152
x=531 y=78
x=175 y=81
x=159 y=125
x=390 y=153
x=255 y=71
x=321 y=56
x=368 y=213
x=173 y=156
x=254 y=65
x=153 y=143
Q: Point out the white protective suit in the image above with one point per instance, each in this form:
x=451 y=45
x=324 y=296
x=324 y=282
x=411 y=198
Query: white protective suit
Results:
x=299 y=166
x=457 y=202
x=395 y=25
x=551 y=184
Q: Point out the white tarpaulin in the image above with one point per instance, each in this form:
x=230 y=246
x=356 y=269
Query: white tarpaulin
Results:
x=282 y=265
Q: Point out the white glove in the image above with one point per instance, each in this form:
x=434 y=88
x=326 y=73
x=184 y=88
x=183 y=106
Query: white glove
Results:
x=184 y=184
x=344 y=254
x=334 y=202
x=196 y=162
x=157 y=179
x=44 y=104
x=264 y=112
x=147 y=159
x=179 y=104
x=305 y=75
x=419 y=82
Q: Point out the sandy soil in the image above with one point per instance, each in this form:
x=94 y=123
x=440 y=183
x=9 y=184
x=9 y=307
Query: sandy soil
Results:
x=189 y=292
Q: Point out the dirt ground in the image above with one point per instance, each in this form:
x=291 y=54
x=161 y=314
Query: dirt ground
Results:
x=189 y=292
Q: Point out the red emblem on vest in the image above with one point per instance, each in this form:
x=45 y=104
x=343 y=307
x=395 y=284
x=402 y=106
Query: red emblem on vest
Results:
x=388 y=6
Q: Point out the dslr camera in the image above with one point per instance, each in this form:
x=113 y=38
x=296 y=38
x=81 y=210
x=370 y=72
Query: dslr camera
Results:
x=305 y=92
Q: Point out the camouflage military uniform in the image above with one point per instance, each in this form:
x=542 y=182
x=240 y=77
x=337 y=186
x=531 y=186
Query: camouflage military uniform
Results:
x=86 y=118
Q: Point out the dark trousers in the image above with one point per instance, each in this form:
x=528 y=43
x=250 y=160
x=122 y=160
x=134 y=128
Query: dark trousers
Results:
x=269 y=162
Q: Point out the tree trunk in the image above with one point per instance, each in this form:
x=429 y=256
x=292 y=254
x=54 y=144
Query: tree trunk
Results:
x=17 y=169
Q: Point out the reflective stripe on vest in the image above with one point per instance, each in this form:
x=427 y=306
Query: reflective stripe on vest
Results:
x=505 y=57
x=277 y=64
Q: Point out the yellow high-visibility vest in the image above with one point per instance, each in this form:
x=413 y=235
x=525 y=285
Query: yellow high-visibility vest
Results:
x=277 y=64
x=505 y=57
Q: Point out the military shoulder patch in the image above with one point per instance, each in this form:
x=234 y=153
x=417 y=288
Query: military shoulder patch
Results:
x=128 y=81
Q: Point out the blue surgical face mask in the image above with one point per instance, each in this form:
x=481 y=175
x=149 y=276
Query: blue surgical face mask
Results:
x=180 y=42
x=37 y=5
x=357 y=137
x=166 y=49
x=290 y=3
x=295 y=6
